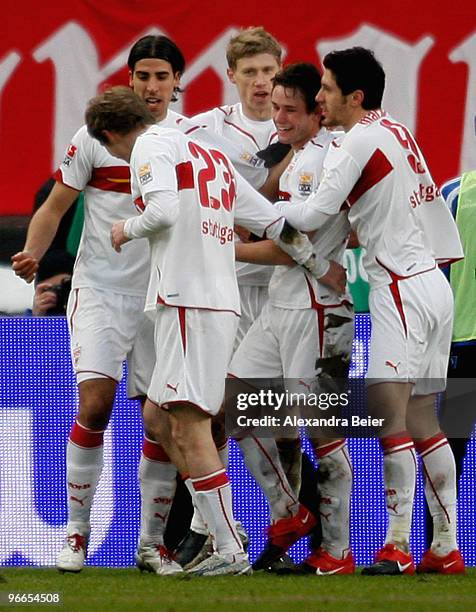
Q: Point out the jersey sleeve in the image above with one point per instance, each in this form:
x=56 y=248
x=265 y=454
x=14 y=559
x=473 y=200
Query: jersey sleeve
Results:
x=76 y=168
x=154 y=168
x=254 y=211
x=340 y=174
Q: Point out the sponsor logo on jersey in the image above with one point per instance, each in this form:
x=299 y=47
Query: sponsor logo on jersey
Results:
x=145 y=174
x=250 y=159
x=70 y=153
x=223 y=233
x=305 y=183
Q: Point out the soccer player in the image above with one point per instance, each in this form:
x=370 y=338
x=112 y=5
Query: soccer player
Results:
x=105 y=314
x=304 y=330
x=253 y=57
x=378 y=174
x=188 y=217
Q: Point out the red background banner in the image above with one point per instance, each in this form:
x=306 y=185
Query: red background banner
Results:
x=55 y=55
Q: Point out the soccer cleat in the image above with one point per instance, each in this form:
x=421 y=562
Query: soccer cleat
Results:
x=223 y=565
x=156 y=558
x=282 y=566
x=321 y=563
x=282 y=535
x=191 y=547
x=73 y=554
x=390 y=561
x=452 y=563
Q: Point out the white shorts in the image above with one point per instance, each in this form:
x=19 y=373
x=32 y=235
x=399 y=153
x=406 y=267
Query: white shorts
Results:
x=412 y=323
x=294 y=343
x=252 y=300
x=194 y=348
x=105 y=329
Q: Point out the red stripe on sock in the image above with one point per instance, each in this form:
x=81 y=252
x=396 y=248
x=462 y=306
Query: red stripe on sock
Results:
x=424 y=445
x=327 y=449
x=84 y=437
x=213 y=482
x=232 y=531
x=390 y=443
x=154 y=452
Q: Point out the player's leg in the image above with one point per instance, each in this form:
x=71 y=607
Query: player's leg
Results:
x=438 y=462
x=84 y=463
x=157 y=471
x=189 y=381
x=334 y=478
x=439 y=473
x=98 y=349
x=191 y=431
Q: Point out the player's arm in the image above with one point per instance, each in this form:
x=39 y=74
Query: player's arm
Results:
x=265 y=252
x=270 y=188
x=159 y=195
x=160 y=213
x=255 y=213
x=42 y=229
x=336 y=186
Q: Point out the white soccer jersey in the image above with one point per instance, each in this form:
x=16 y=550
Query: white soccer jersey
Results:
x=250 y=137
x=293 y=287
x=193 y=259
x=394 y=206
x=88 y=167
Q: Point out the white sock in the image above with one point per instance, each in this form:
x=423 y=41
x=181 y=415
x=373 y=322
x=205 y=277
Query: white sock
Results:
x=198 y=524
x=262 y=460
x=213 y=494
x=335 y=485
x=399 y=467
x=157 y=479
x=440 y=491
x=84 y=461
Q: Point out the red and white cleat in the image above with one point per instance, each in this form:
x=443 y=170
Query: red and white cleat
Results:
x=283 y=534
x=390 y=561
x=73 y=554
x=321 y=563
x=452 y=563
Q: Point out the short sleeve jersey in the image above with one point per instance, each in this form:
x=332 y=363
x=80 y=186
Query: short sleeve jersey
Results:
x=105 y=180
x=380 y=173
x=293 y=287
x=250 y=136
x=193 y=261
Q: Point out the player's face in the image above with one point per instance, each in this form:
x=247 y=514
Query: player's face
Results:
x=335 y=107
x=253 y=79
x=295 y=125
x=154 y=81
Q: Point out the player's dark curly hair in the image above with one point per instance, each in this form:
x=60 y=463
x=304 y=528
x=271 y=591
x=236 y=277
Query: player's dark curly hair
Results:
x=302 y=77
x=158 y=47
x=358 y=68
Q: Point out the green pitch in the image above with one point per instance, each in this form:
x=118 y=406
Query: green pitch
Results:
x=126 y=589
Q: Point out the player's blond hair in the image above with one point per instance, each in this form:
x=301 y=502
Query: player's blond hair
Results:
x=251 y=41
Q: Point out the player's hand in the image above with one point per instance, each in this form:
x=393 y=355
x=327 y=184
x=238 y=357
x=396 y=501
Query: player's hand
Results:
x=24 y=265
x=335 y=278
x=43 y=300
x=118 y=238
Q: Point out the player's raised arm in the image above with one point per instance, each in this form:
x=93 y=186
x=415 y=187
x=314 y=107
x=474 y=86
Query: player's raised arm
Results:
x=42 y=229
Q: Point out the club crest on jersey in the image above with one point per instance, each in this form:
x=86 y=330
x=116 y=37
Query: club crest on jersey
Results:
x=145 y=174
x=305 y=184
x=70 y=153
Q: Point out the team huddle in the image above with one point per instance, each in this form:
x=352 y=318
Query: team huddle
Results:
x=213 y=247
